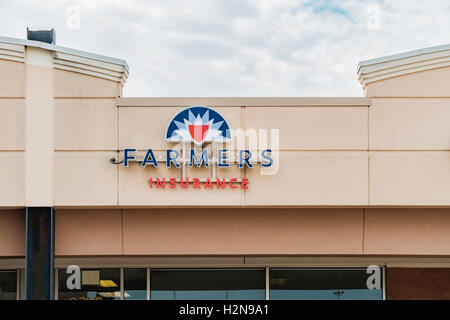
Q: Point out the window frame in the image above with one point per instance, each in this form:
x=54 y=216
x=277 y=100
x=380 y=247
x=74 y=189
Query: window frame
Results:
x=353 y=267
x=267 y=269
x=18 y=272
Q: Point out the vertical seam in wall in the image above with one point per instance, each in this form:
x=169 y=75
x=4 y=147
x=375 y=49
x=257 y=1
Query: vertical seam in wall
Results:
x=121 y=224
x=243 y=172
x=368 y=154
x=25 y=136
x=368 y=178
x=364 y=230
x=52 y=172
x=117 y=153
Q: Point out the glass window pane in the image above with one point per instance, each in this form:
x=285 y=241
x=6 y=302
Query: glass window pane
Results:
x=100 y=284
x=8 y=285
x=135 y=286
x=354 y=286
x=207 y=284
x=321 y=284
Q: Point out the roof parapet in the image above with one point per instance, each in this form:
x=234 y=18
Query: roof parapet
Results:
x=403 y=63
x=68 y=59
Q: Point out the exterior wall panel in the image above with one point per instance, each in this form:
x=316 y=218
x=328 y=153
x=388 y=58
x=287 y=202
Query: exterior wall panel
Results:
x=12 y=233
x=313 y=128
x=239 y=232
x=431 y=83
x=409 y=178
x=12 y=182
x=39 y=129
x=85 y=124
x=88 y=232
x=85 y=178
x=12 y=79
x=12 y=124
x=73 y=85
x=311 y=178
x=410 y=124
x=407 y=232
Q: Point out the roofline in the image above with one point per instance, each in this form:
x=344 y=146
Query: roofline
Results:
x=403 y=55
x=51 y=47
x=244 y=101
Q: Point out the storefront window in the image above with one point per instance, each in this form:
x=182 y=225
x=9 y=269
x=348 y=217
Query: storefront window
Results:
x=96 y=284
x=207 y=284
x=322 y=284
x=8 y=285
x=135 y=284
x=214 y=284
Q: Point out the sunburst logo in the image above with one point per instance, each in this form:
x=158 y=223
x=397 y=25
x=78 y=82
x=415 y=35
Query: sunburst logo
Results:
x=198 y=124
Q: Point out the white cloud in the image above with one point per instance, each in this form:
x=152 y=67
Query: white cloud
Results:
x=237 y=47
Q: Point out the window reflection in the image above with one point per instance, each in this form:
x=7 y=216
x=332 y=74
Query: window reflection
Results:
x=96 y=284
x=208 y=284
x=213 y=284
x=321 y=284
x=135 y=284
x=8 y=284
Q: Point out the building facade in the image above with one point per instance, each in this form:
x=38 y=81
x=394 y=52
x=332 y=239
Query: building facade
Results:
x=315 y=194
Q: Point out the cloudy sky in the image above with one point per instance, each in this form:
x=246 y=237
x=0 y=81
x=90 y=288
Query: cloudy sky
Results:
x=237 y=47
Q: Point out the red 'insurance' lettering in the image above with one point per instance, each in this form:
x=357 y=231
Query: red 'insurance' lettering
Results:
x=196 y=183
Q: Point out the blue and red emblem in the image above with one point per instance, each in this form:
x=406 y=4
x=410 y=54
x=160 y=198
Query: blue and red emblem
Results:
x=198 y=124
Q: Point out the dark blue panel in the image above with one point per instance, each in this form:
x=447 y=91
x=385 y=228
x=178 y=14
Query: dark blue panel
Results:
x=39 y=259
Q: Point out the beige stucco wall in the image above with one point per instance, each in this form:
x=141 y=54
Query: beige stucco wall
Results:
x=217 y=232
x=409 y=124
x=85 y=124
x=365 y=156
x=330 y=177
x=46 y=115
x=69 y=84
x=12 y=124
x=39 y=131
x=327 y=178
x=12 y=79
x=12 y=233
x=393 y=152
x=430 y=83
x=85 y=177
x=12 y=133
x=313 y=128
x=253 y=232
x=86 y=137
x=409 y=139
x=12 y=182
x=407 y=231
x=410 y=178
x=88 y=232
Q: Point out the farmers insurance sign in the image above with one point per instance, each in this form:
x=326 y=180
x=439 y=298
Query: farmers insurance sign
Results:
x=198 y=127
